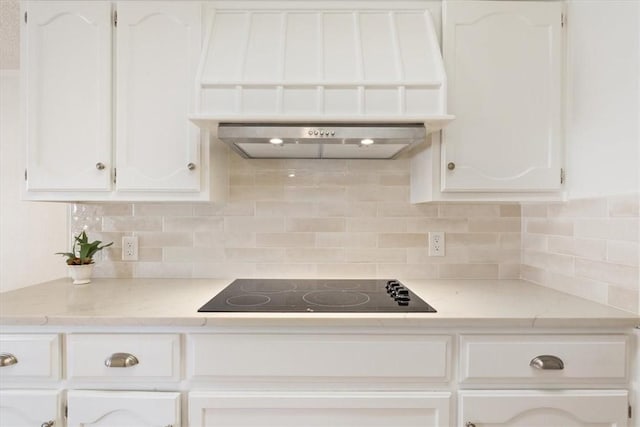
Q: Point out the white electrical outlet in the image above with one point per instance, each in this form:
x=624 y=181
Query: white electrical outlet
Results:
x=130 y=248
x=436 y=243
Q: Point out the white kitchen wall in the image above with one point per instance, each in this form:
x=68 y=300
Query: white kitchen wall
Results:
x=589 y=246
x=30 y=233
x=325 y=218
x=603 y=97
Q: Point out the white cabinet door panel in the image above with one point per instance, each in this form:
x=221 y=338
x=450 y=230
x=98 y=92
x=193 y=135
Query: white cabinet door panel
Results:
x=158 y=47
x=123 y=409
x=319 y=409
x=504 y=71
x=28 y=408
x=66 y=51
x=562 y=408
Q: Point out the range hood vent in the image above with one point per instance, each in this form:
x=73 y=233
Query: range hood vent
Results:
x=322 y=63
x=326 y=141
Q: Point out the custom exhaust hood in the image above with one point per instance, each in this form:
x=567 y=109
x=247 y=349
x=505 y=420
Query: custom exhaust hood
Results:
x=304 y=79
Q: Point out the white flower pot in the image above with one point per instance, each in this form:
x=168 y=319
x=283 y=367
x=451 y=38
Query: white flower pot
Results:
x=81 y=274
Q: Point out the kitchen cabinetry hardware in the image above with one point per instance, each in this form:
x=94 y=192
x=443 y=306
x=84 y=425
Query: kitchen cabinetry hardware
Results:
x=121 y=360
x=115 y=18
x=547 y=362
x=451 y=166
x=563 y=177
x=100 y=166
x=469 y=424
x=25 y=17
x=7 y=359
x=25 y=174
x=191 y=166
x=47 y=424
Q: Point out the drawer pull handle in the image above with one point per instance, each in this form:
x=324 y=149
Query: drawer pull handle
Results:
x=469 y=424
x=121 y=360
x=547 y=362
x=47 y=424
x=7 y=359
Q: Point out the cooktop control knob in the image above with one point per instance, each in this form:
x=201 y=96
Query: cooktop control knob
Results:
x=392 y=285
x=403 y=301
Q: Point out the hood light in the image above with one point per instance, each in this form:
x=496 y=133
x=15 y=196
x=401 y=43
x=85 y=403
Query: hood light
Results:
x=275 y=141
x=366 y=141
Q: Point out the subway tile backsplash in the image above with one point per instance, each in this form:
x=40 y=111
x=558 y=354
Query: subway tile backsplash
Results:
x=352 y=218
x=316 y=218
x=586 y=247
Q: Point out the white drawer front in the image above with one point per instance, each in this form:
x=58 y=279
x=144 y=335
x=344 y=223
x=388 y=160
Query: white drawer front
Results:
x=158 y=356
x=35 y=356
x=320 y=356
x=504 y=358
x=336 y=409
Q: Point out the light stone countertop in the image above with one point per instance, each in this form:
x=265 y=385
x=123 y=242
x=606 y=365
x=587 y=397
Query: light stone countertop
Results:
x=174 y=302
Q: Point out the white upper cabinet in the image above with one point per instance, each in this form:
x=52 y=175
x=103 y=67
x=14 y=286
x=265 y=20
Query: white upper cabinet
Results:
x=504 y=68
x=158 y=48
x=73 y=76
x=67 y=95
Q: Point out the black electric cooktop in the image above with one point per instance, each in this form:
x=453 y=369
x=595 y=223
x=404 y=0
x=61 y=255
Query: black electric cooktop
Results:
x=317 y=295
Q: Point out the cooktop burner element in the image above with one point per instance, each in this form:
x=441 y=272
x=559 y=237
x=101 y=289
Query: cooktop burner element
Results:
x=319 y=295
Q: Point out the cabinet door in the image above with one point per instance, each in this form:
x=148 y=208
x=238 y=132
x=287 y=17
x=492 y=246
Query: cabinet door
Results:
x=503 y=62
x=123 y=409
x=27 y=408
x=158 y=47
x=310 y=409
x=66 y=54
x=544 y=408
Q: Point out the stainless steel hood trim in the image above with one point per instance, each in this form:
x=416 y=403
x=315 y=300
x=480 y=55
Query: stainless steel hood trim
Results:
x=401 y=136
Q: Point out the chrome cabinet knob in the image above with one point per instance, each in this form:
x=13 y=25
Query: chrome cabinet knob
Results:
x=191 y=166
x=47 y=424
x=547 y=362
x=100 y=166
x=7 y=359
x=121 y=360
x=451 y=166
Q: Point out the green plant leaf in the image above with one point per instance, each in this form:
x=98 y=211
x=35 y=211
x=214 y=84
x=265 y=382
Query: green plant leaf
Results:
x=83 y=250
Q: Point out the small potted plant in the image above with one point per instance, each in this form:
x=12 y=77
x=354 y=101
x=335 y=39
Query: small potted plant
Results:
x=80 y=259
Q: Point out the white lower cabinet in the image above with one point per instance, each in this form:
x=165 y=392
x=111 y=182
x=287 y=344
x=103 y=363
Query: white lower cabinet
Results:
x=123 y=409
x=27 y=408
x=551 y=408
x=314 y=376
x=311 y=409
